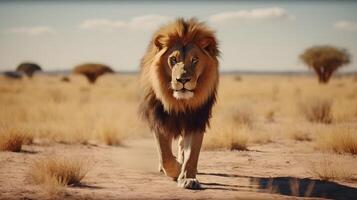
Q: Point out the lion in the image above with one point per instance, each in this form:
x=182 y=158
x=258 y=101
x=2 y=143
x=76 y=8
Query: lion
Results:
x=179 y=79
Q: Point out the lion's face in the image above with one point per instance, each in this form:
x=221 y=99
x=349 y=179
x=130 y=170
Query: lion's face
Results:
x=184 y=65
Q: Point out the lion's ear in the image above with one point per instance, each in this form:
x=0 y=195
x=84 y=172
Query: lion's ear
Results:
x=209 y=45
x=159 y=42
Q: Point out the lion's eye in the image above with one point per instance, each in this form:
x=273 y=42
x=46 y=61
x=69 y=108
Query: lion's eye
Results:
x=173 y=60
x=194 y=60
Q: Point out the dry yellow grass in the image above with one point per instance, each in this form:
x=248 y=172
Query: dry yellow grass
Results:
x=300 y=135
x=254 y=109
x=231 y=138
x=317 y=110
x=270 y=116
x=333 y=167
x=339 y=139
x=110 y=137
x=12 y=139
x=257 y=136
x=295 y=132
x=58 y=171
x=72 y=112
x=242 y=115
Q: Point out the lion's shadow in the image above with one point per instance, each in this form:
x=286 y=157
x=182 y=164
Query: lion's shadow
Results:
x=290 y=186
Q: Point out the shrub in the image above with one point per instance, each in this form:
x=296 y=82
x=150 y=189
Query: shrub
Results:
x=338 y=139
x=11 y=139
x=317 y=110
x=231 y=138
x=110 y=136
x=237 y=78
x=65 y=79
x=298 y=133
x=243 y=115
x=270 y=116
x=62 y=171
x=332 y=167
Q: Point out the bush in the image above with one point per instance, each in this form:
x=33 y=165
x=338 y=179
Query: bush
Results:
x=243 y=115
x=317 y=110
x=62 y=171
x=227 y=138
x=332 y=167
x=11 y=139
x=338 y=139
x=92 y=71
x=110 y=136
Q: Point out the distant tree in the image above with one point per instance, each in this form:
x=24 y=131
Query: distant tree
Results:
x=325 y=60
x=28 y=68
x=13 y=75
x=65 y=79
x=92 y=71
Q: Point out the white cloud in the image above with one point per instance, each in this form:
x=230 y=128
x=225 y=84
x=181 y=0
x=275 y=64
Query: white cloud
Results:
x=139 y=22
x=147 y=21
x=345 y=25
x=102 y=24
x=254 y=14
x=33 y=31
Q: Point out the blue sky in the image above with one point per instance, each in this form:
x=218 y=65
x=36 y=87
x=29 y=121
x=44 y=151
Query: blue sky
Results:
x=253 y=35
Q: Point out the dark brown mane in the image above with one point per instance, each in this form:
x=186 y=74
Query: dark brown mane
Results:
x=191 y=121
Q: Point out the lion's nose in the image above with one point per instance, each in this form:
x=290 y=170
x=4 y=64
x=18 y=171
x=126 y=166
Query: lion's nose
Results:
x=183 y=80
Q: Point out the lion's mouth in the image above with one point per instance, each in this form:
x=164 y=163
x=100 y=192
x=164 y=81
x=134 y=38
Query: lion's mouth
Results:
x=184 y=90
x=183 y=93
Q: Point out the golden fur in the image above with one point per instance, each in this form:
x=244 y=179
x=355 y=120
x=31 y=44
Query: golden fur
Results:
x=155 y=75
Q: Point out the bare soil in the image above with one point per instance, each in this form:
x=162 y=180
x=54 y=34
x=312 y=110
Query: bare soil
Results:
x=278 y=170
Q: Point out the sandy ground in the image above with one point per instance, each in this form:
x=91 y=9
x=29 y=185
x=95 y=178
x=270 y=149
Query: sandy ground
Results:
x=272 y=171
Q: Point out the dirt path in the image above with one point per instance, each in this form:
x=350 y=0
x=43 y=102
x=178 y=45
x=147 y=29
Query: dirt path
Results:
x=273 y=171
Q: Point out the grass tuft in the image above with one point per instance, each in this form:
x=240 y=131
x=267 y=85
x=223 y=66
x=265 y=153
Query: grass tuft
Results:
x=332 y=167
x=338 y=139
x=270 y=116
x=317 y=110
x=110 y=136
x=11 y=139
x=243 y=115
x=300 y=135
x=58 y=171
x=227 y=138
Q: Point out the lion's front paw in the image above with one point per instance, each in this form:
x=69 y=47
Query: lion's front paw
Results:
x=172 y=169
x=189 y=183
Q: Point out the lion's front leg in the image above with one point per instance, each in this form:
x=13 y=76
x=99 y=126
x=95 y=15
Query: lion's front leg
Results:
x=167 y=161
x=191 y=148
x=180 y=151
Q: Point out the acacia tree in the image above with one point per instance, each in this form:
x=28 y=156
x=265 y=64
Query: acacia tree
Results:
x=325 y=60
x=28 y=68
x=92 y=71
